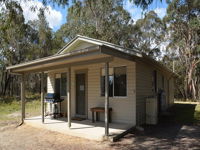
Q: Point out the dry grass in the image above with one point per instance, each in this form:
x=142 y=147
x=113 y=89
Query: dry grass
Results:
x=10 y=109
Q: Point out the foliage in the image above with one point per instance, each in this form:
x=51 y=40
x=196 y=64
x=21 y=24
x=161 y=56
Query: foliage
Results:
x=141 y=3
x=20 y=42
x=14 y=34
x=197 y=114
x=186 y=113
x=14 y=41
x=105 y=20
x=183 y=21
x=148 y=34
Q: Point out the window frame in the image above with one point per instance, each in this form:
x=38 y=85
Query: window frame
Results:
x=114 y=82
x=60 y=82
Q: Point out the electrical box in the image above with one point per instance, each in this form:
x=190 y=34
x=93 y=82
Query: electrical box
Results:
x=151 y=111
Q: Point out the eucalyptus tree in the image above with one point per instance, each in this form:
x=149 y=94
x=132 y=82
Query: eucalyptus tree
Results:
x=148 y=34
x=101 y=19
x=141 y=3
x=45 y=35
x=14 y=40
x=183 y=21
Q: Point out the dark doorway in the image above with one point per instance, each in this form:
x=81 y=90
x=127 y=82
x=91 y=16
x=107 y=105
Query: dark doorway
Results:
x=81 y=94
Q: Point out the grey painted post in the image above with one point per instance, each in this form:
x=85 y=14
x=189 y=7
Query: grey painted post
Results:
x=106 y=98
x=69 y=98
x=22 y=98
x=42 y=96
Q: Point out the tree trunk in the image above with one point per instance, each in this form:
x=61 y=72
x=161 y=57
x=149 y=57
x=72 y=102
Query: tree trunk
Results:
x=7 y=82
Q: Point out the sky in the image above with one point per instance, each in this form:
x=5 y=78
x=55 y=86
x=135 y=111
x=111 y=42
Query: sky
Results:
x=56 y=16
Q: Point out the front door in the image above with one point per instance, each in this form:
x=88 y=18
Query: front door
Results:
x=80 y=94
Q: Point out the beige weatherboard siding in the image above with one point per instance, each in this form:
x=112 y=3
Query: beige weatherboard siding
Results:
x=144 y=88
x=124 y=110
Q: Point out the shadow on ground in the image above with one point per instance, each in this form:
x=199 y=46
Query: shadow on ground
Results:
x=176 y=130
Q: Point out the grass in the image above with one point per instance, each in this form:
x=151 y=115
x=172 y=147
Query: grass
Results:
x=186 y=100
x=10 y=107
x=197 y=113
x=186 y=113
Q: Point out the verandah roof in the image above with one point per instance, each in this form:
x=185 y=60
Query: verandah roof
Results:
x=95 y=54
x=101 y=52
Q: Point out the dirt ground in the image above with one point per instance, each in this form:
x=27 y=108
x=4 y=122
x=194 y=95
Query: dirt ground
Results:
x=29 y=138
x=177 y=130
x=175 y=137
x=172 y=133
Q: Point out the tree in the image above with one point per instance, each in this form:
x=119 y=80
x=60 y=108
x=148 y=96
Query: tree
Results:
x=141 y=3
x=45 y=35
x=105 y=20
x=14 y=40
x=148 y=34
x=183 y=21
x=20 y=41
x=45 y=40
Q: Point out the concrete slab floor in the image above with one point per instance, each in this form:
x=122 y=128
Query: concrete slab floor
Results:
x=84 y=129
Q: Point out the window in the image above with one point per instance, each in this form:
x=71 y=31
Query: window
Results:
x=120 y=81
x=117 y=82
x=61 y=84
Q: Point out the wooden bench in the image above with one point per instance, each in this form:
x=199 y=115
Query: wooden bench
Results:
x=98 y=110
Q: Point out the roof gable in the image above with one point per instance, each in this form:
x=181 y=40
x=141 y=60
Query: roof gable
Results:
x=82 y=42
x=78 y=43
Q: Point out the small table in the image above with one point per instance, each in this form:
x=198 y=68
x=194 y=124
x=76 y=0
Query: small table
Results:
x=98 y=110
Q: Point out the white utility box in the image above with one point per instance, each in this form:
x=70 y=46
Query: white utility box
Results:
x=151 y=111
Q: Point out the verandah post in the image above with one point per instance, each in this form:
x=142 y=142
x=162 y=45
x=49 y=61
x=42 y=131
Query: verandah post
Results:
x=22 y=98
x=106 y=98
x=69 y=98
x=42 y=96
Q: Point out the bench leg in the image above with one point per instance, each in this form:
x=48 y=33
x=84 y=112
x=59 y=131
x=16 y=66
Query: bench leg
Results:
x=93 y=117
x=110 y=117
x=97 y=116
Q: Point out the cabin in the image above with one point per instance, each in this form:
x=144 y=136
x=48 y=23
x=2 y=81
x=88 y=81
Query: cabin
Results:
x=101 y=82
